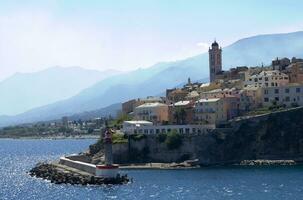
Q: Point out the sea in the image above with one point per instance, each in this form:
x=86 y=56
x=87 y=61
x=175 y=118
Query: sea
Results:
x=17 y=157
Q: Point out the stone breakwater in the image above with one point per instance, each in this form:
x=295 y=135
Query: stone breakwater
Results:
x=58 y=175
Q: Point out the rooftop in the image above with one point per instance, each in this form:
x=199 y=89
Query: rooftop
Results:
x=139 y=122
x=151 y=105
x=209 y=100
x=182 y=103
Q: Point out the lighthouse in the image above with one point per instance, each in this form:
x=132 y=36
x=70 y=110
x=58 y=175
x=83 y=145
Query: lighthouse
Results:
x=108 y=170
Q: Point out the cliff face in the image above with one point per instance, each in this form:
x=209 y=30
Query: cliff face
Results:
x=273 y=136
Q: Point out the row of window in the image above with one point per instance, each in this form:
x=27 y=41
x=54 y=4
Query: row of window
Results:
x=287 y=99
x=267 y=79
x=157 y=131
x=286 y=90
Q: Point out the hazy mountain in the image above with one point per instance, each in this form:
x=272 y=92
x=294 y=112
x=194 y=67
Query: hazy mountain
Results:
x=24 y=91
x=154 y=80
x=111 y=110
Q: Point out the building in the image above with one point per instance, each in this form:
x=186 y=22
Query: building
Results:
x=219 y=93
x=289 y=95
x=295 y=72
x=129 y=106
x=215 y=61
x=181 y=112
x=143 y=127
x=273 y=78
x=216 y=110
x=175 y=95
x=249 y=99
x=280 y=64
x=154 y=112
x=210 y=111
x=132 y=127
x=233 y=74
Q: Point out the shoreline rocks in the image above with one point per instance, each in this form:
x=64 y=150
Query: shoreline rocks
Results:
x=57 y=175
x=267 y=162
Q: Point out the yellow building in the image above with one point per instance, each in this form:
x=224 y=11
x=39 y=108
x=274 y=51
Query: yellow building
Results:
x=216 y=110
x=154 y=112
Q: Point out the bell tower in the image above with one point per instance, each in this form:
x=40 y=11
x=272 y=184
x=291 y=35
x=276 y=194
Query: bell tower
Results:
x=215 y=60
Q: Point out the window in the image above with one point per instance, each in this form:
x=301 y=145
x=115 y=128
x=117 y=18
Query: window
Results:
x=287 y=90
x=256 y=80
x=298 y=90
x=265 y=91
x=266 y=99
x=276 y=91
x=272 y=84
x=287 y=99
x=276 y=98
x=266 y=78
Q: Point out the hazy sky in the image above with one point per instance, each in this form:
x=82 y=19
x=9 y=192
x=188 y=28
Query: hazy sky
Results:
x=127 y=34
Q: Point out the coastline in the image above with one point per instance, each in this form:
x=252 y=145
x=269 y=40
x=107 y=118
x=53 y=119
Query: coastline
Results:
x=52 y=137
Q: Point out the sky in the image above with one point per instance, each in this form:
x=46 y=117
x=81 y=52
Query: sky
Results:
x=130 y=34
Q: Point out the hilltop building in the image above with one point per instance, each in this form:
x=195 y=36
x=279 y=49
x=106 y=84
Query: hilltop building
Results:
x=215 y=61
x=280 y=64
x=273 y=78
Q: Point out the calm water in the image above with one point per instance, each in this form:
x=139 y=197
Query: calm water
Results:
x=18 y=156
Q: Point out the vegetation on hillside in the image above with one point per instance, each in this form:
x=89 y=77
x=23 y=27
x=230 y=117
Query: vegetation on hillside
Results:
x=173 y=140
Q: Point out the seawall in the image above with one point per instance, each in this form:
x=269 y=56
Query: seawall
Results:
x=274 y=136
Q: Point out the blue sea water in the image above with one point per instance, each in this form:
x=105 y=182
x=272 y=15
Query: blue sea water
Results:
x=18 y=156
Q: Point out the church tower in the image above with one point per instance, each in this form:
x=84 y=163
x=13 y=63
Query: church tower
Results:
x=215 y=61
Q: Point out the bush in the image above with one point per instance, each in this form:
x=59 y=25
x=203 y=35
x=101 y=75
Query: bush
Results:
x=161 y=137
x=118 y=138
x=173 y=140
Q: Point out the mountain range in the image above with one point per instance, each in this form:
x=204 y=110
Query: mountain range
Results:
x=252 y=51
x=24 y=91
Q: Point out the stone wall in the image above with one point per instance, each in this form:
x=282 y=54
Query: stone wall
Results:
x=272 y=136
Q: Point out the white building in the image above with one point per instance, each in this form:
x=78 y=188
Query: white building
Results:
x=272 y=78
x=144 y=127
x=133 y=126
x=289 y=95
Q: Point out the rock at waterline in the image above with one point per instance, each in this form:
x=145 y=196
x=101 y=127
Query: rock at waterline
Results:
x=57 y=175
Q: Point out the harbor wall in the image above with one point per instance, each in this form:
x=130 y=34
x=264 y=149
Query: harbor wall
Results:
x=86 y=167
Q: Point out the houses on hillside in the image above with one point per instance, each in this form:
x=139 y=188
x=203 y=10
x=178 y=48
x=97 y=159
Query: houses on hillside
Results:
x=196 y=107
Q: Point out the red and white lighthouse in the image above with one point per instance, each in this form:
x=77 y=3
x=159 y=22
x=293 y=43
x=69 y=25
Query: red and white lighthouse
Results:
x=108 y=170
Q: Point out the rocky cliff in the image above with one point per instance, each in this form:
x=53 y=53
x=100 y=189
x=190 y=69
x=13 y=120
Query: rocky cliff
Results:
x=275 y=136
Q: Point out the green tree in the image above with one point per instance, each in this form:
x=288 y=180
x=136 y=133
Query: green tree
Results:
x=173 y=140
